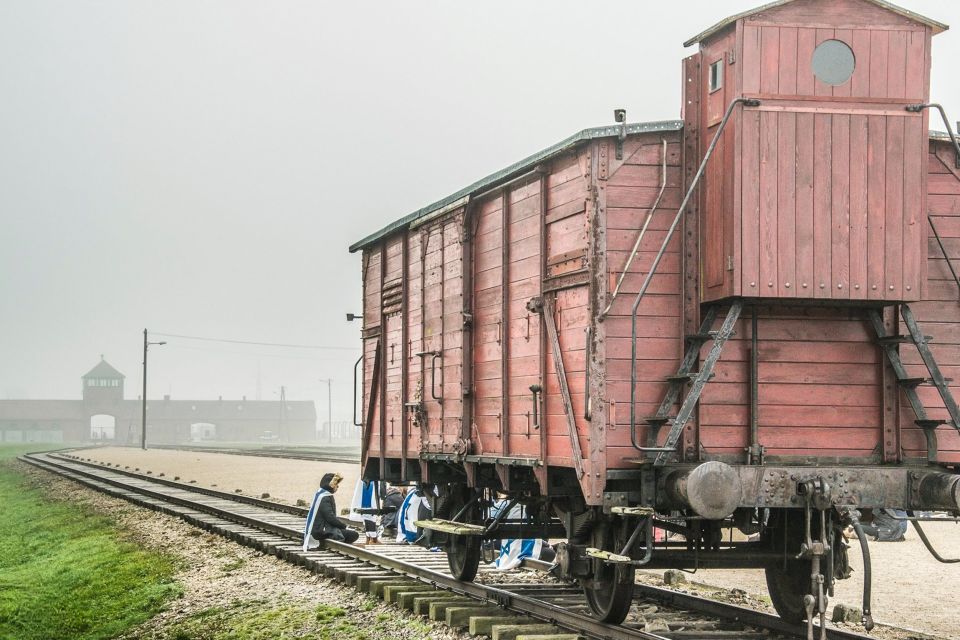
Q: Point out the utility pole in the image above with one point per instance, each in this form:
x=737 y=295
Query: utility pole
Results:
x=283 y=408
x=143 y=433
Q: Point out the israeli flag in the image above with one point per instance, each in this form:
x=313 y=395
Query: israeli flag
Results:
x=309 y=542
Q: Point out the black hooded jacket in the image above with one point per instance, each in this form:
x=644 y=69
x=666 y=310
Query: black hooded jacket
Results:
x=326 y=519
x=393 y=499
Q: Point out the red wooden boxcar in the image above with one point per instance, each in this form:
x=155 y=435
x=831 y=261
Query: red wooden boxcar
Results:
x=691 y=325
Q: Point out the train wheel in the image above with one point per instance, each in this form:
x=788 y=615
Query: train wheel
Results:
x=463 y=557
x=788 y=580
x=609 y=590
x=787 y=587
x=463 y=552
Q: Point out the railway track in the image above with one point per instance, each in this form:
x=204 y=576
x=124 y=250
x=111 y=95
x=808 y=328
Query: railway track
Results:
x=290 y=453
x=499 y=604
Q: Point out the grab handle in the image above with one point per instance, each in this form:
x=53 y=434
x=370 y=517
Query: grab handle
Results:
x=355 y=367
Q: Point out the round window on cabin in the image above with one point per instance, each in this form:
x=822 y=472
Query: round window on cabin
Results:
x=833 y=62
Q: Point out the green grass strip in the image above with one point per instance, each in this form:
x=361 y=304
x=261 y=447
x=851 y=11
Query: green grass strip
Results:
x=67 y=572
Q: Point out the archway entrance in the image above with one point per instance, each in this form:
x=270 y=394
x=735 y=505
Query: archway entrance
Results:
x=200 y=431
x=102 y=427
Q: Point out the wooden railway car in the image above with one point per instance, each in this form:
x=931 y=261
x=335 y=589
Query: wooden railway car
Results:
x=698 y=325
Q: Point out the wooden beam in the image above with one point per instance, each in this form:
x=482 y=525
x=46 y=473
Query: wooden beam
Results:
x=547 y=311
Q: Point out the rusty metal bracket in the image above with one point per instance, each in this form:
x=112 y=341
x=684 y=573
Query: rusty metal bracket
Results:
x=620 y=115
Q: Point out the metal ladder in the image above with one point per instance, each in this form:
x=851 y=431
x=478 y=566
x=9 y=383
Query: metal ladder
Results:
x=696 y=379
x=890 y=345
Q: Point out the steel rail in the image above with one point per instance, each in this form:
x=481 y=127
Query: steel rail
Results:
x=186 y=486
x=499 y=595
x=289 y=454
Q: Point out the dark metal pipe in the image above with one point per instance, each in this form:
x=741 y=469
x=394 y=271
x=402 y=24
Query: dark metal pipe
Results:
x=867 y=618
x=754 y=452
x=588 y=399
x=500 y=516
x=656 y=262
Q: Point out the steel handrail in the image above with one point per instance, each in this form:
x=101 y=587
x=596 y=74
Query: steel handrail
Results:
x=749 y=102
x=355 y=366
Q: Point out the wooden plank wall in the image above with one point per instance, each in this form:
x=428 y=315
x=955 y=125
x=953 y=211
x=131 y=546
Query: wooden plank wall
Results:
x=939 y=313
x=631 y=192
x=819 y=389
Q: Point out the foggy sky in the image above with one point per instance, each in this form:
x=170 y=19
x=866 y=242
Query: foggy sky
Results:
x=200 y=167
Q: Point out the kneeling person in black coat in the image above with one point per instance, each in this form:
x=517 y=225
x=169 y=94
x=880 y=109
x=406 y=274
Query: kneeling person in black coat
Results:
x=322 y=521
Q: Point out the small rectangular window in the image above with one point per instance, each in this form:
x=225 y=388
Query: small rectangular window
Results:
x=716 y=75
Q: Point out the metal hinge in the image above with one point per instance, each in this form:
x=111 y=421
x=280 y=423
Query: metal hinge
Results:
x=729 y=263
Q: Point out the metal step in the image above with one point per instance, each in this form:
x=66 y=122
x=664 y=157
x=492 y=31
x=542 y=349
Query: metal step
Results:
x=449 y=526
x=658 y=420
x=932 y=423
x=916 y=382
x=687 y=377
x=900 y=339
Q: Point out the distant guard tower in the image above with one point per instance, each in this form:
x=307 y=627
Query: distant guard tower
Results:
x=103 y=385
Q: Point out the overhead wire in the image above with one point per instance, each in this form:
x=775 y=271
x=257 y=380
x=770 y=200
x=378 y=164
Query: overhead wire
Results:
x=250 y=342
x=252 y=354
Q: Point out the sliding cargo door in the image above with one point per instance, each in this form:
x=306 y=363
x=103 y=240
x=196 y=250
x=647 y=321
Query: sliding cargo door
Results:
x=440 y=355
x=507 y=335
